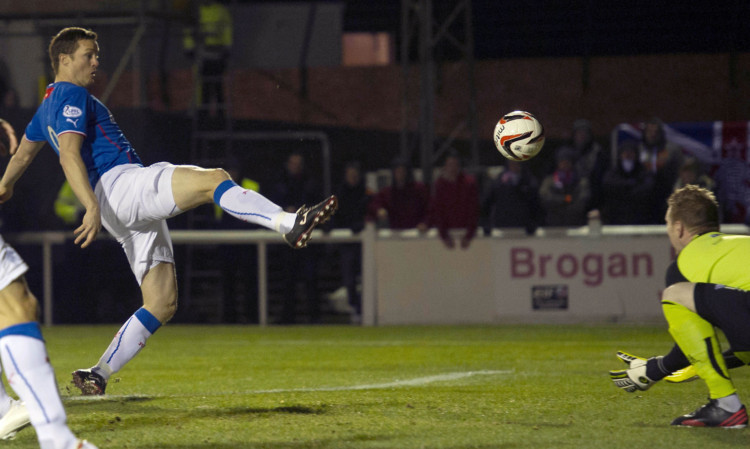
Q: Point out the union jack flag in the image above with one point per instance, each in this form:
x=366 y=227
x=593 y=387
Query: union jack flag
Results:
x=722 y=148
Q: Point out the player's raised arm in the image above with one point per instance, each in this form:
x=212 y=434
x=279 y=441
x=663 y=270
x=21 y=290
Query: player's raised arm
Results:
x=76 y=174
x=23 y=155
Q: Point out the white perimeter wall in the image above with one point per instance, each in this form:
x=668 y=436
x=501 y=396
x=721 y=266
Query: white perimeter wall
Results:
x=606 y=278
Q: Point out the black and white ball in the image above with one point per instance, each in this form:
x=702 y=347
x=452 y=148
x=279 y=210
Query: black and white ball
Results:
x=519 y=136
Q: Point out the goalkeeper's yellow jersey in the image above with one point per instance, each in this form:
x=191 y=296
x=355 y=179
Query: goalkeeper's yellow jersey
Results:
x=716 y=258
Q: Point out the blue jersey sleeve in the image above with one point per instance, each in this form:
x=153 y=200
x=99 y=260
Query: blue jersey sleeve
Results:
x=68 y=108
x=34 y=131
x=69 y=114
x=65 y=111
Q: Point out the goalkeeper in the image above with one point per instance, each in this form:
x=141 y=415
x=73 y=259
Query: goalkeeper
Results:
x=708 y=285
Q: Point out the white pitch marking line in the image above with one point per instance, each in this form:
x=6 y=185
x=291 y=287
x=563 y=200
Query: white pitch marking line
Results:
x=416 y=382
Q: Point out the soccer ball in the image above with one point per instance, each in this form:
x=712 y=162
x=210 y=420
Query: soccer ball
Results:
x=519 y=136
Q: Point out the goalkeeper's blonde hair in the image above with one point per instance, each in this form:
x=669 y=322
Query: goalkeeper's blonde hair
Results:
x=696 y=208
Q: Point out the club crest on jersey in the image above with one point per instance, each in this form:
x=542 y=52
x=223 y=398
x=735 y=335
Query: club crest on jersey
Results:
x=71 y=111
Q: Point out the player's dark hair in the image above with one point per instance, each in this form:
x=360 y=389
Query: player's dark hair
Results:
x=696 y=208
x=66 y=43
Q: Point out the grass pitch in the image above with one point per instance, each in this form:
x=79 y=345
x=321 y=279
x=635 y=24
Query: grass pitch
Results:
x=518 y=387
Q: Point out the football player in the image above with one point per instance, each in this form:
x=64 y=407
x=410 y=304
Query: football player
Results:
x=708 y=285
x=132 y=201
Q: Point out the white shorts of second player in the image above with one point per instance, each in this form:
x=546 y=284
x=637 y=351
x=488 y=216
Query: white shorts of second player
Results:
x=11 y=264
x=135 y=202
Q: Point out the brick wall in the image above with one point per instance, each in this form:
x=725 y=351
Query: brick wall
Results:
x=606 y=90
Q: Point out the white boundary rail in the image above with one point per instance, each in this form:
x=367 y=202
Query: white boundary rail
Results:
x=49 y=239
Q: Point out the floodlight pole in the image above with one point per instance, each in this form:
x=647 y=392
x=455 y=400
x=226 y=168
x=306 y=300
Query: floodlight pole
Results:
x=418 y=22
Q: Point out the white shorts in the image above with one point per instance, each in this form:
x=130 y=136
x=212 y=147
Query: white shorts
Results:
x=135 y=202
x=11 y=264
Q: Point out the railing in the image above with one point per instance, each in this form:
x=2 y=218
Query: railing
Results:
x=261 y=238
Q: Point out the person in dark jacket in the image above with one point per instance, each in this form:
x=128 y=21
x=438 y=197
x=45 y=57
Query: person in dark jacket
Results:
x=565 y=193
x=353 y=201
x=512 y=200
x=294 y=188
x=627 y=188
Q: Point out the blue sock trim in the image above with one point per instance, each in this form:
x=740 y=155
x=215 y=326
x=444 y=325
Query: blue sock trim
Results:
x=30 y=329
x=223 y=187
x=149 y=321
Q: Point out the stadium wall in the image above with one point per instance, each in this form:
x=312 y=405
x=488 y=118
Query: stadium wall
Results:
x=607 y=90
x=553 y=279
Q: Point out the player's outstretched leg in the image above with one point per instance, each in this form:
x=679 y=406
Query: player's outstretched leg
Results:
x=306 y=220
x=253 y=207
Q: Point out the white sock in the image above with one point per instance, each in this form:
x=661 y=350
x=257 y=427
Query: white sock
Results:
x=252 y=207
x=128 y=342
x=29 y=372
x=730 y=403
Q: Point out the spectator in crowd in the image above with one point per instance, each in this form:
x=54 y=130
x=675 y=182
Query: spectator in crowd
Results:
x=403 y=204
x=353 y=200
x=592 y=161
x=512 y=200
x=455 y=202
x=626 y=188
x=293 y=189
x=663 y=159
x=210 y=42
x=564 y=193
x=692 y=173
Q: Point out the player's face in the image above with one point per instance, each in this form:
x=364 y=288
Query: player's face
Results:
x=82 y=64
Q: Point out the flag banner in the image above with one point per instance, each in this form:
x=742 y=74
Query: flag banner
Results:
x=721 y=148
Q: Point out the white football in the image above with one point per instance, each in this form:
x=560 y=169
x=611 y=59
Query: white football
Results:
x=519 y=136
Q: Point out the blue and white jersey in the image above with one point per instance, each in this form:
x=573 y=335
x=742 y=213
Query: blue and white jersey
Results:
x=68 y=108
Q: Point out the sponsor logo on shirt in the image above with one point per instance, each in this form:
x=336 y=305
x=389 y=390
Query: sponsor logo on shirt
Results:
x=72 y=111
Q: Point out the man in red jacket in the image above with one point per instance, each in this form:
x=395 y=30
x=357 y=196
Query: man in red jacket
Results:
x=455 y=202
x=403 y=204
